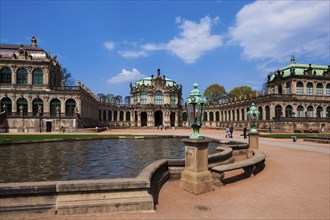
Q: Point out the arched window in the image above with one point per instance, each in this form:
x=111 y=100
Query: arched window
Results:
x=309 y=89
x=121 y=116
x=319 y=112
x=70 y=105
x=278 y=111
x=319 y=89
x=22 y=105
x=211 y=116
x=158 y=99
x=109 y=115
x=5 y=75
x=104 y=115
x=260 y=111
x=237 y=114
x=143 y=98
x=37 y=106
x=309 y=111
x=279 y=89
x=6 y=104
x=217 y=116
x=327 y=90
x=173 y=99
x=267 y=110
x=115 y=116
x=184 y=116
x=243 y=114
x=21 y=76
x=300 y=111
x=128 y=116
x=205 y=116
x=288 y=111
x=288 y=87
x=55 y=106
x=37 y=77
x=328 y=112
x=299 y=90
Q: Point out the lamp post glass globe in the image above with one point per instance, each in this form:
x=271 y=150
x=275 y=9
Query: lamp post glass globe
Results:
x=195 y=107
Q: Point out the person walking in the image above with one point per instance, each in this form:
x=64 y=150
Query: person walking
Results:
x=244 y=132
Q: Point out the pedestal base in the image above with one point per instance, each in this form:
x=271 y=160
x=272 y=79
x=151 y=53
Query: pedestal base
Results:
x=196 y=182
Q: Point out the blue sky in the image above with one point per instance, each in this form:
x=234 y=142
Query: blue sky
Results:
x=108 y=44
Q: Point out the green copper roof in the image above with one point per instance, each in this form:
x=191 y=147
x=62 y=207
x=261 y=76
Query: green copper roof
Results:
x=147 y=81
x=299 y=69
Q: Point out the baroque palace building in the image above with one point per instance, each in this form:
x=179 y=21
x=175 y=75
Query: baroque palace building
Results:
x=33 y=98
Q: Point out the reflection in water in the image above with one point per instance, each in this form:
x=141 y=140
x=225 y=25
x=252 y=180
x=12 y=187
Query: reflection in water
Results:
x=97 y=159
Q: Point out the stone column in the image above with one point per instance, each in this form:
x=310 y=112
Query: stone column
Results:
x=196 y=178
x=253 y=142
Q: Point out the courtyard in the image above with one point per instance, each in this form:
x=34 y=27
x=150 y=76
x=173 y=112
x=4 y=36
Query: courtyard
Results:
x=295 y=184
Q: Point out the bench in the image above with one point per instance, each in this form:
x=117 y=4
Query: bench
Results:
x=251 y=166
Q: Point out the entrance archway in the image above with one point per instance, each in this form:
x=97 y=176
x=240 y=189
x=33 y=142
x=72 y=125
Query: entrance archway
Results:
x=144 y=118
x=172 y=119
x=158 y=118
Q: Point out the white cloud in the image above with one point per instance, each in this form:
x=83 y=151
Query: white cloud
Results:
x=109 y=45
x=133 y=53
x=274 y=30
x=195 y=39
x=126 y=75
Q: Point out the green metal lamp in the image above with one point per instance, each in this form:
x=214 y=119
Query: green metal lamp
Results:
x=253 y=118
x=195 y=109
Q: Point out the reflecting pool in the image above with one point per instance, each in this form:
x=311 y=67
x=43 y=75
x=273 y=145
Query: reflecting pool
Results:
x=95 y=159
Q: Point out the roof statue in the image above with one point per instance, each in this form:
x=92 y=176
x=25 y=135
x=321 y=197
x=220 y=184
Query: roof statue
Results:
x=34 y=41
x=293 y=60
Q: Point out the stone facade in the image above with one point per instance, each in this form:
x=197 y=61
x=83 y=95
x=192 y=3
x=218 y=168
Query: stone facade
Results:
x=33 y=98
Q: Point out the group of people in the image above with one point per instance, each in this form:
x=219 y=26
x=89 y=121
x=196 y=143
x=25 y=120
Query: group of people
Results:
x=230 y=130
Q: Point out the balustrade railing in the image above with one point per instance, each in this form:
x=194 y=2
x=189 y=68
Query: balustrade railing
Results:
x=40 y=115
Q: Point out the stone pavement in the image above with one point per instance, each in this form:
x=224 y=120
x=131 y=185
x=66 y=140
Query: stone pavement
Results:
x=295 y=184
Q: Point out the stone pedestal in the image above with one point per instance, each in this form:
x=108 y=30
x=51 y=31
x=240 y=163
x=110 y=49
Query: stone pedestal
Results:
x=253 y=142
x=196 y=177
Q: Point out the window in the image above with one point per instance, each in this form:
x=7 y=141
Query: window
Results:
x=309 y=89
x=37 y=106
x=327 y=90
x=5 y=104
x=55 y=106
x=319 y=112
x=143 y=98
x=279 y=89
x=300 y=111
x=135 y=99
x=217 y=116
x=267 y=110
x=243 y=114
x=260 y=111
x=309 y=111
x=319 y=89
x=37 y=77
x=5 y=75
x=173 y=99
x=184 y=116
x=70 y=105
x=211 y=116
x=121 y=116
x=299 y=88
x=128 y=116
x=158 y=99
x=22 y=105
x=278 y=111
x=288 y=88
x=21 y=76
x=328 y=112
x=288 y=111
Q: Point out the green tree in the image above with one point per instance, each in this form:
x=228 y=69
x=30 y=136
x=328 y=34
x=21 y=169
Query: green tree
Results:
x=240 y=92
x=67 y=77
x=215 y=93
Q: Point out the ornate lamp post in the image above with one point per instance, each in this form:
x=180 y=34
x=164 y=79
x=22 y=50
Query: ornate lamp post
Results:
x=253 y=118
x=196 y=178
x=195 y=109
